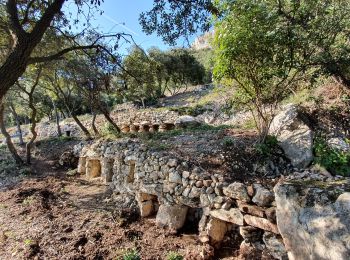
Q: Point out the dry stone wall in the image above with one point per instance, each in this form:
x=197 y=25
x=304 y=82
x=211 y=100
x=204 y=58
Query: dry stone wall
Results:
x=173 y=190
x=170 y=187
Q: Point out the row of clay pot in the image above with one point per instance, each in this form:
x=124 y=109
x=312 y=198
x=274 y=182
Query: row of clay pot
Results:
x=142 y=128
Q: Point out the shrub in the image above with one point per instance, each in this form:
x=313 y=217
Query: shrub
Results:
x=131 y=254
x=267 y=147
x=174 y=256
x=109 y=130
x=334 y=160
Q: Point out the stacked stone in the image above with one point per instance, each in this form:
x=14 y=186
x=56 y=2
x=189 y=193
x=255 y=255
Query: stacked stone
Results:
x=168 y=186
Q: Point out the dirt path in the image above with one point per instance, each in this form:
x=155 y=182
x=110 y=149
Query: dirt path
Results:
x=70 y=218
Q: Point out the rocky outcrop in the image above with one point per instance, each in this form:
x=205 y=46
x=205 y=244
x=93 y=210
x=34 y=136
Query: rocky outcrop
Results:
x=313 y=221
x=294 y=136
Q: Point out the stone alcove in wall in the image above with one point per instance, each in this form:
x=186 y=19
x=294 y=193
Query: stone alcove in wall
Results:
x=148 y=204
x=93 y=168
x=130 y=178
x=192 y=222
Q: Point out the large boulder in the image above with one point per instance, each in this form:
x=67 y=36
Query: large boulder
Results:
x=186 y=121
x=294 y=136
x=171 y=216
x=314 y=222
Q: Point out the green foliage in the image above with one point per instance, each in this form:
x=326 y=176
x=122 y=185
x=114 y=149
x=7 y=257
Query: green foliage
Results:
x=192 y=111
x=228 y=141
x=147 y=76
x=253 y=56
x=131 y=254
x=172 y=19
x=174 y=256
x=334 y=160
x=268 y=146
x=109 y=130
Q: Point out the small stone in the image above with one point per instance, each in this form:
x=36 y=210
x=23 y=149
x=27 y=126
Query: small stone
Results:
x=172 y=162
x=263 y=197
x=204 y=200
x=175 y=177
x=237 y=191
x=186 y=192
x=195 y=192
x=186 y=174
x=199 y=184
x=226 y=205
x=251 y=209
x=207 y=183
x=209 y=190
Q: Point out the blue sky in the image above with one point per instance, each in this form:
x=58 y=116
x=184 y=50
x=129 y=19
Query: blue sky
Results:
x=123 y=15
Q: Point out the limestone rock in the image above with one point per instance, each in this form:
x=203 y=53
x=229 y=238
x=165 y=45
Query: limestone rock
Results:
x=237 y=191
x=186 y=121
x=312 y=223
x=175 y=177
x=233 y=215
x=274 y=244
x=251 y=209
x=263 y=197
x=294 y=136
x=171 y=216
x=339 y=143
x=216 y=230
x=261 y=223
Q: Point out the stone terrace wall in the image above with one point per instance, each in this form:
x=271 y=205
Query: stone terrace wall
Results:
x=171 y=188
x=176 y=191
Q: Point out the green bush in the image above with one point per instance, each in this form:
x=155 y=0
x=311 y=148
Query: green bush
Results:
x=267 y=147
x=108 y=129
x=131 y=254
x=334 y=160
x=174 y=256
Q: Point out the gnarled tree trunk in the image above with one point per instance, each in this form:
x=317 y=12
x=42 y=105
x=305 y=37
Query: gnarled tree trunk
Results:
x=9 y=143
x=32 y=130
x=18 y=124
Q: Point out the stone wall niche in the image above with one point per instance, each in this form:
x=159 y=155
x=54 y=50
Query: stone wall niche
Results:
x=148 y=204
x=107 y=169
x=93 y=168
x=131 y=173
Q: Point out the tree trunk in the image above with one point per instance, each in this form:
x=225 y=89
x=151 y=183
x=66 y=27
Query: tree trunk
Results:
x=9 y=143
x=82 y=127
x=93 y=124
x=57 y=118
x=106 y=114
x=32 y=130
x=18 y=124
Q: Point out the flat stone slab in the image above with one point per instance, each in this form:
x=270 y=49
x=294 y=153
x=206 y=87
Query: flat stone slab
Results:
x=233 y=215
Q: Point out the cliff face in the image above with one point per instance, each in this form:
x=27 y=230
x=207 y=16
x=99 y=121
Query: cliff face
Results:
x=203 y=41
